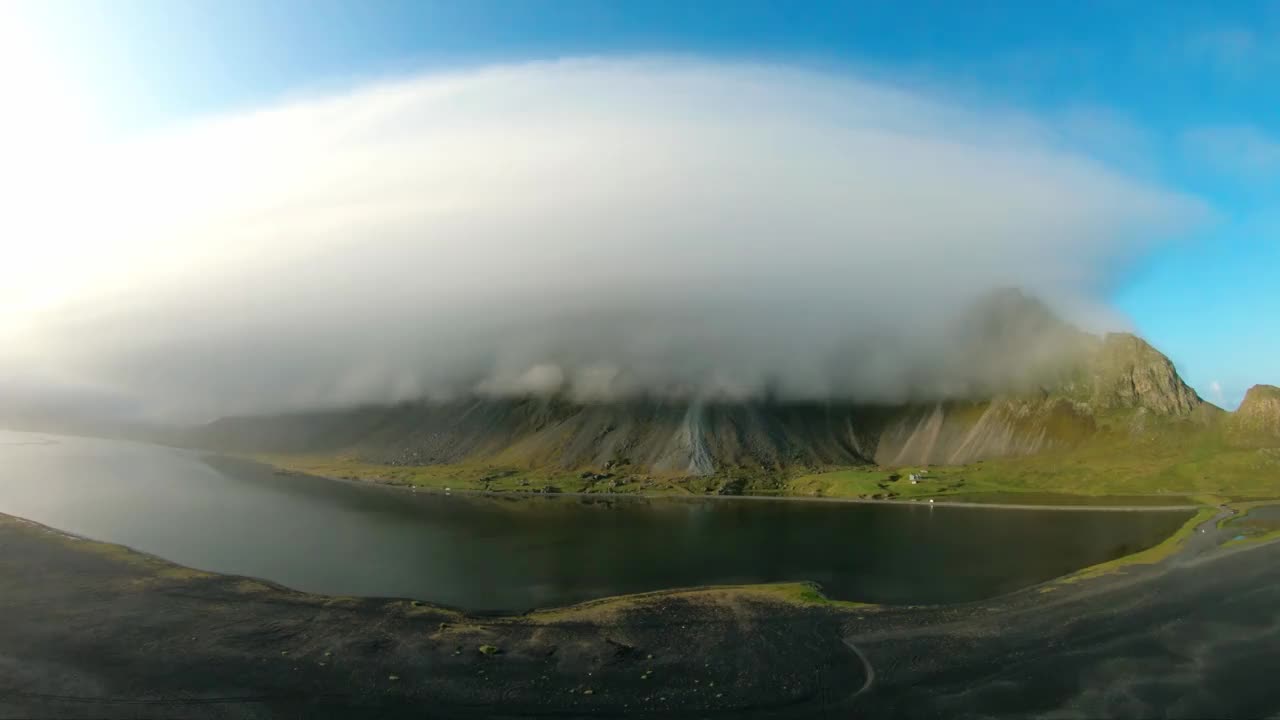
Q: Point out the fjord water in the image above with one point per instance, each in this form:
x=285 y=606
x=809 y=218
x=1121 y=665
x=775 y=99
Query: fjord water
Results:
x=490 y=554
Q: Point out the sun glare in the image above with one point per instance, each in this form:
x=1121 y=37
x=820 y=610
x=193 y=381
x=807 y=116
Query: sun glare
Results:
x=44 y=133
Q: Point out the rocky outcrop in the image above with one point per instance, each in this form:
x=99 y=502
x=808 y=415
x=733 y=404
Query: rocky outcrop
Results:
x=956 y=434
x=1127 y=372
x=1257 y=420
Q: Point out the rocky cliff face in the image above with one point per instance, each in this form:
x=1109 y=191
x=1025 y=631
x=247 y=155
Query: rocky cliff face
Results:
x=676 y=438
x=679 y=438
x=956 y=434
x=1126 y=372
x=1054 y=386
x=1257 y=420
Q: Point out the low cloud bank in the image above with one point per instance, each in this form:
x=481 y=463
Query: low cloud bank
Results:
x=599 y=227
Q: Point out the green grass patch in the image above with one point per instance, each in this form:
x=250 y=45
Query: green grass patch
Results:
x=464 y=476
x=1134 y=458
x=1133 y=454
x=804 y=593
x=793 y=593
x=1152 y=457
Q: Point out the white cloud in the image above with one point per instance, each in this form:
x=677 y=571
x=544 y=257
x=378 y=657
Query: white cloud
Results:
x=1215 y=392
x=645 y=223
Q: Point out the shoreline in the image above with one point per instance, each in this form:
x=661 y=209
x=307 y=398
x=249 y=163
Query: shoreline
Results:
x=111 y=632
x=96 y=629
x=522 y=495
x=427 y=596
x=779 y=590
x=784 y=591
x=790 y=592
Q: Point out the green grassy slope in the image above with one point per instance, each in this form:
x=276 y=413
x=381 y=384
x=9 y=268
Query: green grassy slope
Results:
x=1067 y=413
x=1133 y=453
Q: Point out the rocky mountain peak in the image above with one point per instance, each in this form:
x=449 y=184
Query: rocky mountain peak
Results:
x=1009 y=313
x=1129 y=373
x=1259 y=414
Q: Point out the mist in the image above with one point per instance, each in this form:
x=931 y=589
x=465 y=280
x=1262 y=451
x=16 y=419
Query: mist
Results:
x=598 y=227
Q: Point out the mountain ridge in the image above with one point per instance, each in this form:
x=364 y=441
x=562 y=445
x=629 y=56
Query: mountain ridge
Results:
x=705 y=436
x=1046 y=388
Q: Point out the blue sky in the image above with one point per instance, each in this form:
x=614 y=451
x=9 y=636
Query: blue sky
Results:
x=1182 y=94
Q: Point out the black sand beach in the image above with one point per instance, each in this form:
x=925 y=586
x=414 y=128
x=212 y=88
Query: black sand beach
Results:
x=93 y=630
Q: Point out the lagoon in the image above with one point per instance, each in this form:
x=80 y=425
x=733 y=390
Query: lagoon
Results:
x=493 y=554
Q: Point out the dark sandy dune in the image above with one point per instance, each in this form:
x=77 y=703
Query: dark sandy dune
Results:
x=1198 y=640
x=96 y=631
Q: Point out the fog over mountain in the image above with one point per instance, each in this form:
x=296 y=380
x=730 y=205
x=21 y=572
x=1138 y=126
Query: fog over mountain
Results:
x=602 y=228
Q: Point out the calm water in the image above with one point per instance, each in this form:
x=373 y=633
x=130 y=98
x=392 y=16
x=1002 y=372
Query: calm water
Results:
x=488 y=554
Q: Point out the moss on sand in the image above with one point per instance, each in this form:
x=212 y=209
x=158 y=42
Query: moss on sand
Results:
x=1151 y=555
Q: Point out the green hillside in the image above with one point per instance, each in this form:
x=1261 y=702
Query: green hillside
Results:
x=1062 y=412
x=1134 y=452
